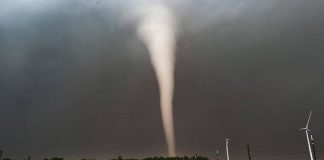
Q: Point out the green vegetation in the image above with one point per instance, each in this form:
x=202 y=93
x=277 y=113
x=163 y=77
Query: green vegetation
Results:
x=195 y=157
x=166 y=158
x=121 y=158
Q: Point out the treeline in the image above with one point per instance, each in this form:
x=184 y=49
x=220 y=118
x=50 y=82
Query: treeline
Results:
x=29 y=158
x=195 y=157
x=166 y=158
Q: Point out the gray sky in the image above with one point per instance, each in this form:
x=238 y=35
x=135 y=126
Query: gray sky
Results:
x=76 y=82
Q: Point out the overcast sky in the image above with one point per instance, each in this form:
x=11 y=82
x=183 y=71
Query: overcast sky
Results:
x=75 y=80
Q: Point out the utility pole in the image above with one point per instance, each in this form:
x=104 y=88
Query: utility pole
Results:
x=313 y=146
x=1 y=153
x=216 y=155
x=249 y=152
x=227 y=140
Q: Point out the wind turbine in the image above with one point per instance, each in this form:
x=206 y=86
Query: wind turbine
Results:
x=307 y=136
x=217 y=155
x=227 y=140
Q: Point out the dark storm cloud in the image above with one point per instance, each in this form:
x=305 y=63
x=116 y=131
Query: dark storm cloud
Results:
x=75 y=81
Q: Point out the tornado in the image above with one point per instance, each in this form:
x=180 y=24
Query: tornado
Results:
x=157 y=29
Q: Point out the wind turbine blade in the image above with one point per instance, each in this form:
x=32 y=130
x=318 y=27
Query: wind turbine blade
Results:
x=309 y=118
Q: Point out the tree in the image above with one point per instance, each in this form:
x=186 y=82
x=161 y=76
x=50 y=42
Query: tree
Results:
x=57 y=158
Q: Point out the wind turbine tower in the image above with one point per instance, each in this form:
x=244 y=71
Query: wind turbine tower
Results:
x=313 y=146
x=227 y=140
x=217 y=155
x=307 y=136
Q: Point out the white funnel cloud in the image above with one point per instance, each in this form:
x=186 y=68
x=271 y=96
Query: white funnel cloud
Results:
x=157 y=30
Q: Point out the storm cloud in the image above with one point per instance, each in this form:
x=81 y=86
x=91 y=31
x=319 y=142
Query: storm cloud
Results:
x=75 y=80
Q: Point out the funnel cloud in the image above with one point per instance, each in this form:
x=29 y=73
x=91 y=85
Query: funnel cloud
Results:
x=157 y=30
